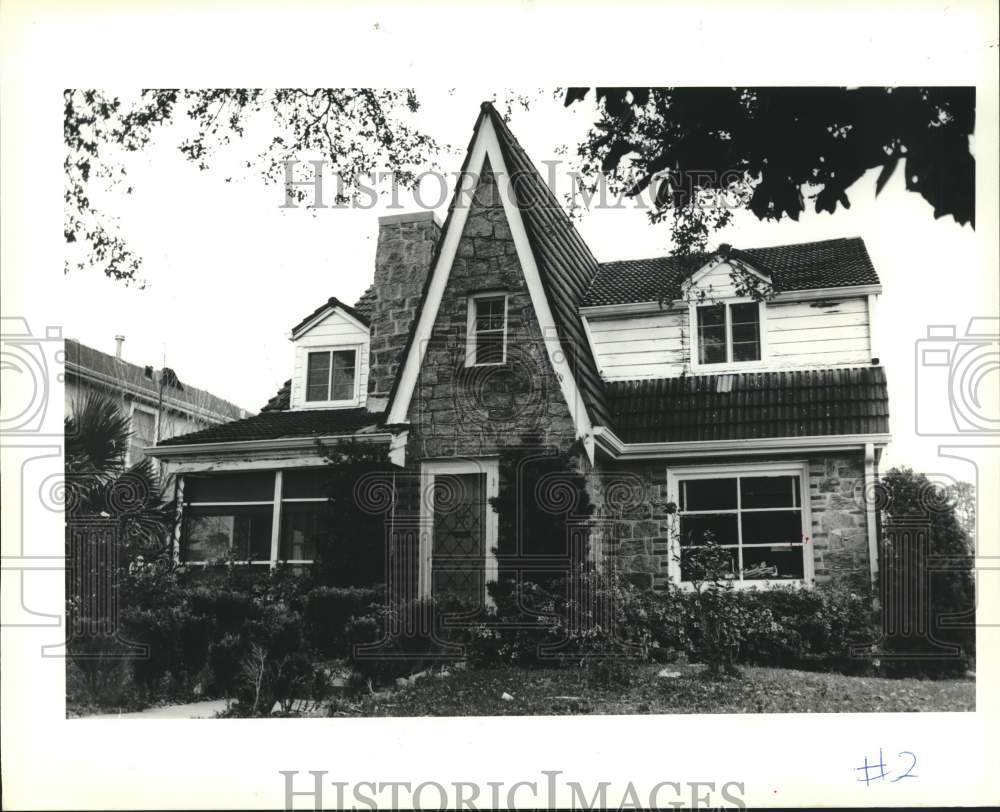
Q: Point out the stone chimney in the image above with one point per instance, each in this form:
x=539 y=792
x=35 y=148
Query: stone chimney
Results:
x=119 y=340
x=402 y=259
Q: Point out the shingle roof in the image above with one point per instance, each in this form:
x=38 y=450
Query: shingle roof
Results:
x=366 y=303
x=276 y=425
x=282 y=398
x=564 y=261
x=333 y=301
x=748 y=405
x=81 y=359
x=803 y=266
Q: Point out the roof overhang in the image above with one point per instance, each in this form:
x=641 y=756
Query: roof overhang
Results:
x=613 y=446
x=639 y=308
x=321 y=314
x=284 y=444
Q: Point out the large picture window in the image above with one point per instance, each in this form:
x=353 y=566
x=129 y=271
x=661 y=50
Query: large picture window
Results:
x=233 y=516
x=330 y=376
x=728 y=333
x=756 y=516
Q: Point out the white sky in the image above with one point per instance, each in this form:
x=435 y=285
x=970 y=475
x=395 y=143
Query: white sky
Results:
x=229 y=272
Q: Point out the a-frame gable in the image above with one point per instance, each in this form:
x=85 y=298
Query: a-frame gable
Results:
x=485 y=147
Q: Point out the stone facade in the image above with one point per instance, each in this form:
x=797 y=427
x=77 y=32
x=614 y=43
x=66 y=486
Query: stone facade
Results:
x=402 y=260
x=633 y=523
x=471 y=411
x=840 y=526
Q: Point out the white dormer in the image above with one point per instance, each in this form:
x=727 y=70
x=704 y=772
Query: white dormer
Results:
x=331 y=359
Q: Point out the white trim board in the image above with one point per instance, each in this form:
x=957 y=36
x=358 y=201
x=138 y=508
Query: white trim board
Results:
x=486 y=145
x=637 y=308
x=326 y=311
x=617 y=449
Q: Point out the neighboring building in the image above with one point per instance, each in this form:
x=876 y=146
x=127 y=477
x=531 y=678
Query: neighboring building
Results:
x=762 y=421
x=158 y=405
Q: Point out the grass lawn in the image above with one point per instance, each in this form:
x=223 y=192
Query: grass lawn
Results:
x=565 y=691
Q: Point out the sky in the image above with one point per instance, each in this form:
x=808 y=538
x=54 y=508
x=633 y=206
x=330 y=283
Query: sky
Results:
x=228 y=271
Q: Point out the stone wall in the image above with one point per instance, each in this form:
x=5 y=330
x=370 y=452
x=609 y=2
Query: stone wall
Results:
x=840 y=526
x=403 y=256
x=458 y=410
x=633 y=523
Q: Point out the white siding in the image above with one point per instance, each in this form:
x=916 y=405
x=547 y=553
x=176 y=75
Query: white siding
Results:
x=798 y=335
x=828 y=333
x=648 y=346
x=336 y=331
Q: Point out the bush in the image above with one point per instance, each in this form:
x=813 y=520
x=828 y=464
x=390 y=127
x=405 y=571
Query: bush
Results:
x=325 y=615
x=395 y=641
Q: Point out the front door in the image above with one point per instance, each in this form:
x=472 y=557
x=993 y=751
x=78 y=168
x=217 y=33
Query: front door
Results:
x=460 y=528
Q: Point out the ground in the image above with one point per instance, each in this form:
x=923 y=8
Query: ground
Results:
x=565 y=691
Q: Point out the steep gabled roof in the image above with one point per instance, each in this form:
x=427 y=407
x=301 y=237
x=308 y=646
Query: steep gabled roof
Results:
x=332 y=303
x=835 y=263
x=751 y=405
x=565 y=263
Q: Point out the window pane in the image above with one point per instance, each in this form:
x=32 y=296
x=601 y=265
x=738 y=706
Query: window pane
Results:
x=211 y=532
x=722 y=527
x=770 y=527
x=490 y=313
x=774 y=562
x=769 y=491
x=318 y=376
x=489 y=348
x=304 y=525
x=712 y=334
x=343 y=375
x=729 y=573
x=708 y=494
x=308 y=483
x=746 y=331
x=255 y=486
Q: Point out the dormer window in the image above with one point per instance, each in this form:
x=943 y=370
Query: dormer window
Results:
x=728 y=333
x=487 y=330
x=331 y=376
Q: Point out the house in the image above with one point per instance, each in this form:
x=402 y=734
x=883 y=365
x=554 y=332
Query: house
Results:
x=155 y=401
x=737 y=392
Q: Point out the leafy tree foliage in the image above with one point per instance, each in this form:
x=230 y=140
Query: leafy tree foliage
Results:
x=704 y=152
x=931 y=596
x=357 y=131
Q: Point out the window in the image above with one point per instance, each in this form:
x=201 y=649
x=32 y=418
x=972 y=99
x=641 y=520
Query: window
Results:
x=233 y=515
x=143 y=434
x=756 y=515
x=330 y=376
x=487 y=329
x=228 y=516
x=728 y=333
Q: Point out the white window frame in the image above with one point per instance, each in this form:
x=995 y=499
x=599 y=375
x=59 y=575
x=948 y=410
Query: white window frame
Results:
x=428 y=470
x=320 y=404
x=799 y=468
x=470 y=329
x=728 y=365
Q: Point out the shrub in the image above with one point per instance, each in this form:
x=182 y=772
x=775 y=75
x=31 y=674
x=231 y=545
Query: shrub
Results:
x=325 y=615
x=394 y=641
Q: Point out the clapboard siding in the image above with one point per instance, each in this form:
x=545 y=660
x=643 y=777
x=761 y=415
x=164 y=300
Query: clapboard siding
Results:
x=335 y=331
x=798 y=335
x=652 y=346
